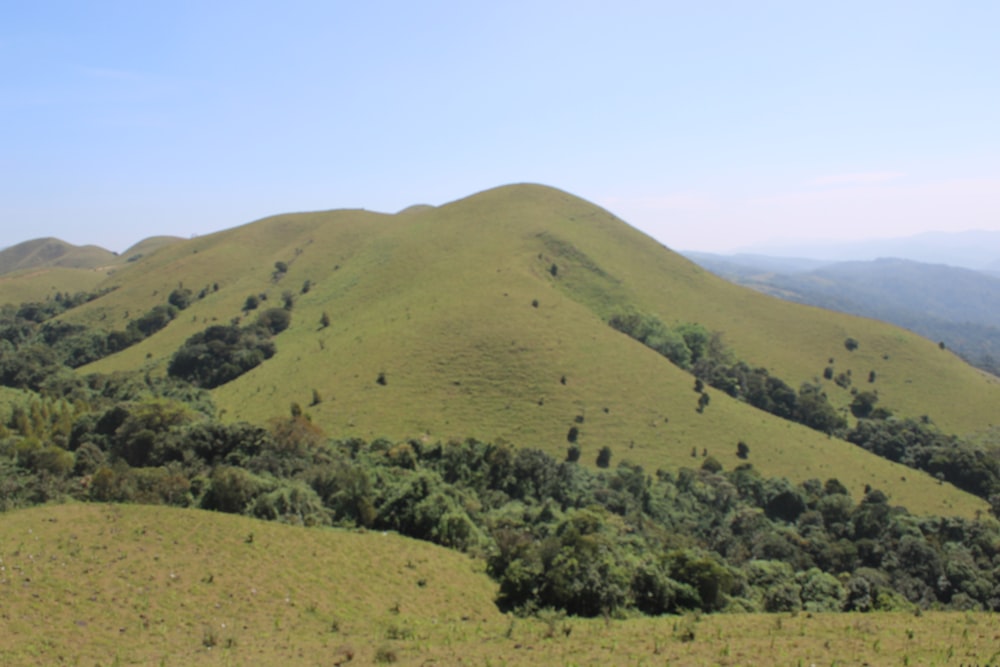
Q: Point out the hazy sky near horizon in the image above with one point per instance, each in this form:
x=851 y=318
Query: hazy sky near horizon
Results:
x=709 y=125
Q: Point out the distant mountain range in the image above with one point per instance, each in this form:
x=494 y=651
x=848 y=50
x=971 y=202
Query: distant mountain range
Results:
x=979 y=250
x=957 y=306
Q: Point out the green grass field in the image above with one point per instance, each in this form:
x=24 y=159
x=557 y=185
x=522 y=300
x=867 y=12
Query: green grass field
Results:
x=133 y=585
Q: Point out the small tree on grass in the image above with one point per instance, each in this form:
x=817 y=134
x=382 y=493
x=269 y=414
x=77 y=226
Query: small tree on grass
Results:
x=604 y=457
x=742 y=450
x=275 y=320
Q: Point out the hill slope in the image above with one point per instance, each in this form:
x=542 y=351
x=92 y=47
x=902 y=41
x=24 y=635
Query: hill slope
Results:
x=98 y=584
x=441 y=301
x=153 y=585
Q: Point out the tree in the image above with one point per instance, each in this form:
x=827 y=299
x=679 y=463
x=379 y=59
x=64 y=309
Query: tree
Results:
x=742 y=450
x=814 y=410
x=863 y=404
x=180 y=298
x=711 y=464
x=324 y=320
x=275 y=320
x=851 y=344
x=604 y=457
x=251 y=303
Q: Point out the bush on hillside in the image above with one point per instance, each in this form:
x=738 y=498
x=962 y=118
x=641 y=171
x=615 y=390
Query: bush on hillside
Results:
x=220 y=354
x=275 y=320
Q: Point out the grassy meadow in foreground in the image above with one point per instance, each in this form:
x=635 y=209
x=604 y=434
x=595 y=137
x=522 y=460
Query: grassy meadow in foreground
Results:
x=121 y=584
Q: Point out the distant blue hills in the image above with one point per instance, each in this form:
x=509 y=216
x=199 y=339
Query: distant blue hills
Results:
x=943 y=286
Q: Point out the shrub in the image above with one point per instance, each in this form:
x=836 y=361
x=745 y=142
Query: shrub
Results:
x=864 y=404
x=180 y=298
x=742 y=450
x=251 y=303
x=573 y=434
x=604 y=457
x=711 y=464
x=275 y=320
x=232 y=490
x=851 y=344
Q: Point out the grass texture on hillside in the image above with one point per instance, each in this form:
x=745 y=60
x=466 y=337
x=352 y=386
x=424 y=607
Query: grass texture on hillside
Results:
x=140 y=585
x=486 y=317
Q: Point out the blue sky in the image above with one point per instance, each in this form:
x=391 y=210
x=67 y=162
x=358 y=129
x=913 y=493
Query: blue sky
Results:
x=709 y=125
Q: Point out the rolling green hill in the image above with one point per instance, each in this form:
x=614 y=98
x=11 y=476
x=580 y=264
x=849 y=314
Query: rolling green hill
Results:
x=140 y=585
x=155 y=585
x=486 y=317
x=49 y=252
x=36 y=270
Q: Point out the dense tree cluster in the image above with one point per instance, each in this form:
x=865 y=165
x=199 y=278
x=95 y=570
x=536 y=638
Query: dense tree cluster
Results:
x=918 y=444
x=694 y=348
x=35 y=347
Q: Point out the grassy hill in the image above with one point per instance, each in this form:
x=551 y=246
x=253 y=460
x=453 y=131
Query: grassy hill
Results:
x=148 y=585
x=43 y=283
x=129 y=585
x=48 y=252
x=487 y=318
x=36 y=270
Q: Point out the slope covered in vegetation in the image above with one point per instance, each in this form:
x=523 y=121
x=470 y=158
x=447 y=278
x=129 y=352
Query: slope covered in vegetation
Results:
x=488 y=317
x=104 y=585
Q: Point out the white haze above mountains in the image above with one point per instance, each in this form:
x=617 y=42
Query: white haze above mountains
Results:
x=978 y=250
